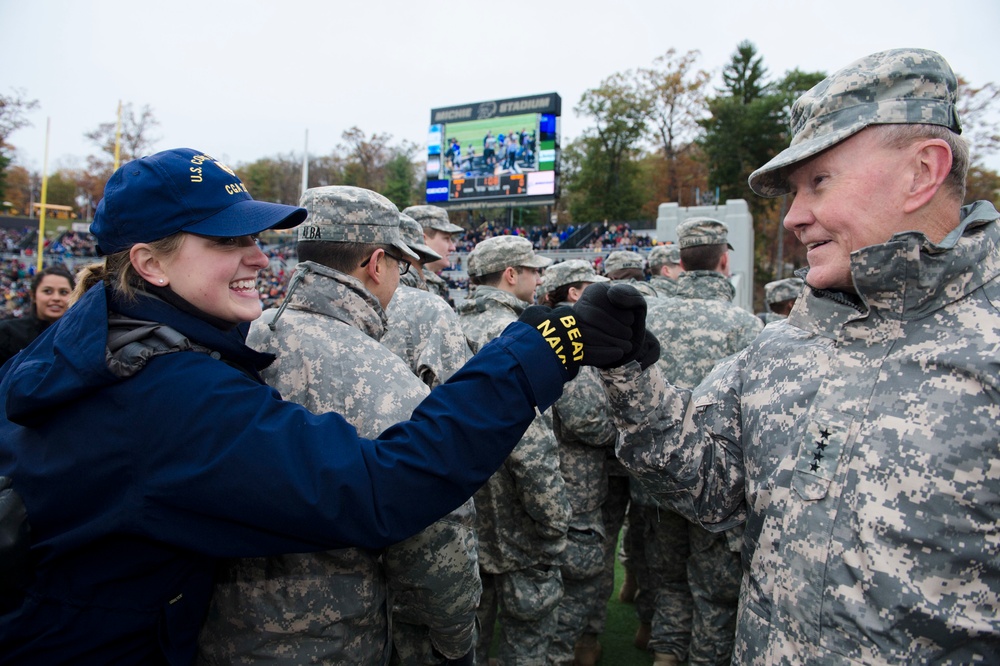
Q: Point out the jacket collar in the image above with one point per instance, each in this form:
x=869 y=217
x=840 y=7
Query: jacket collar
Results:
x=709 y=285
x=328 y=292
x=909 y=277
x=485 y=297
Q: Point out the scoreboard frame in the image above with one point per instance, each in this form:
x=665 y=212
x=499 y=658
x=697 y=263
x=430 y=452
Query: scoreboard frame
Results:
x=507 y=153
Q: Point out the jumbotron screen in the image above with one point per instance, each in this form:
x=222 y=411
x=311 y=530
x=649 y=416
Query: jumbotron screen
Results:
x=498 y=153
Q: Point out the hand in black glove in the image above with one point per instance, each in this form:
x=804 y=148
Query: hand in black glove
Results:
x=559 y=328
x=612 y=317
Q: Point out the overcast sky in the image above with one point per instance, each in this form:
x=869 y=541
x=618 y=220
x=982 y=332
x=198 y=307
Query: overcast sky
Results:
x=245 y=80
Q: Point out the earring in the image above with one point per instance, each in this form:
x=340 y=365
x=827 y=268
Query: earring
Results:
x=161 y=280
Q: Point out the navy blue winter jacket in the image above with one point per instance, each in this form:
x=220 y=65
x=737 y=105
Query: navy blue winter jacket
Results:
x=135 y=486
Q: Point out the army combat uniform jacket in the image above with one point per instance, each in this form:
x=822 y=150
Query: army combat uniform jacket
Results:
x=522 y=511
x=859 y=439
x=425 y=333
x=331 y=606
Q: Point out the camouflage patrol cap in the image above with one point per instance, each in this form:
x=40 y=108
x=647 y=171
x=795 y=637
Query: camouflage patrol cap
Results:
x=621 y=259
x=568 y=272
x=664 y=255
x=901 y=86
x=343 y=214
x=413 y=236
x=495 y=254
x=696 y=231
x=433 y=217
x=783 y=290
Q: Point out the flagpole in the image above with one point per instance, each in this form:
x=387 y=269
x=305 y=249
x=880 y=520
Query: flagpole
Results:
x=45 y=189
x=118 y=136
x=305 y=165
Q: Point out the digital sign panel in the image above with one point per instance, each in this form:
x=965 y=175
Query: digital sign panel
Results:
x=498 y=153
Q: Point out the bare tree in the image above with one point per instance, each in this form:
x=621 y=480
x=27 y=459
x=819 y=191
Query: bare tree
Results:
x=977 y=109
x=675 y=94
x=137 y=139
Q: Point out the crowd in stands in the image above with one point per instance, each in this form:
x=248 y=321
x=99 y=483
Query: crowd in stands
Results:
x=551 y=237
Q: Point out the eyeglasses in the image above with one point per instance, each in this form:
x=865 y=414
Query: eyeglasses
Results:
x=401 y=263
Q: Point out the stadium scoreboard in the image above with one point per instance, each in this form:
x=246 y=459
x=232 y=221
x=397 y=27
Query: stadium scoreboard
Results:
x=498 y=153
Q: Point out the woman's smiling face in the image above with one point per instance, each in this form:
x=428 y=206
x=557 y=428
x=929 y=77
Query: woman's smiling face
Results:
x=217 y=275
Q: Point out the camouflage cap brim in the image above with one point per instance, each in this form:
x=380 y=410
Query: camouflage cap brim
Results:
x=426 y=253
x=537 y=261
x=895 y=87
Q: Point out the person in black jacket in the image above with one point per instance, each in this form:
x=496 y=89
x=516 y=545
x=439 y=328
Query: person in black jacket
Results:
x=50 y=297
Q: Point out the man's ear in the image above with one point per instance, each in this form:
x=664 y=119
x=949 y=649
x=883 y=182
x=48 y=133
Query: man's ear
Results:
x=375 y=270
x=931 y=164
x=147 y=265
x=724 y=264
x=510 y=275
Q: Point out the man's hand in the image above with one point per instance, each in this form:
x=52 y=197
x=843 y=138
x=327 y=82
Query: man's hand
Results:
x=612 y=318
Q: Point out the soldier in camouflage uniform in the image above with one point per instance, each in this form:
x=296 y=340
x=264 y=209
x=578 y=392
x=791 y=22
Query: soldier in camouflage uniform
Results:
x=586 y=435
x=780 y=296
x=697 y=571
x=423 y=330
x=333 y=606
x=522 y=513
x=857 y=438
x=665 y=265
x=439 y=235
x=629 y=267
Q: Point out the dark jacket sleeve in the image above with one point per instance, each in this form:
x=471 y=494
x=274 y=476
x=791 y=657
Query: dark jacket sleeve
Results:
x=240 y=472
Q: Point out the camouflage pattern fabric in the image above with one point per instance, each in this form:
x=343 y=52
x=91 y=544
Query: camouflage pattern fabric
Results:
x=890 y=87
x=696 y=231
x=663 y=286
x=663 y=255
x=425 y=333
x=783 y=290
x=585 y=432
x=436 y=284
x=642 y=287
x=414 y=278
x=332 y=606
x=522 y=516
x=858 y=441
x=432 y=217
x=621 y=259
x=344 y=214
x=697 y=573
x=499 y=252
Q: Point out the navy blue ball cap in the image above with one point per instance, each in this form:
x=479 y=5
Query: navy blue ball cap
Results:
x=181 y=190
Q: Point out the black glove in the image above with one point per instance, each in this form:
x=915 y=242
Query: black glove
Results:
x=612 y=317
x=649 y=351
x=559 y=328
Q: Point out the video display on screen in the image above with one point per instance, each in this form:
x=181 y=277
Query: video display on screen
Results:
x=505 y=149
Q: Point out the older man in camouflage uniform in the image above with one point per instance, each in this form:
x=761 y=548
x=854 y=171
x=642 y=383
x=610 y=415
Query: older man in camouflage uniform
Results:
x=629 y=267
x=423 y=329
x=439 y=235
x=857 y=438
x=331 y=607
x=522 y=513
x=698 y=572
x=780 y=296
x=586 y=434
x=665 y=266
